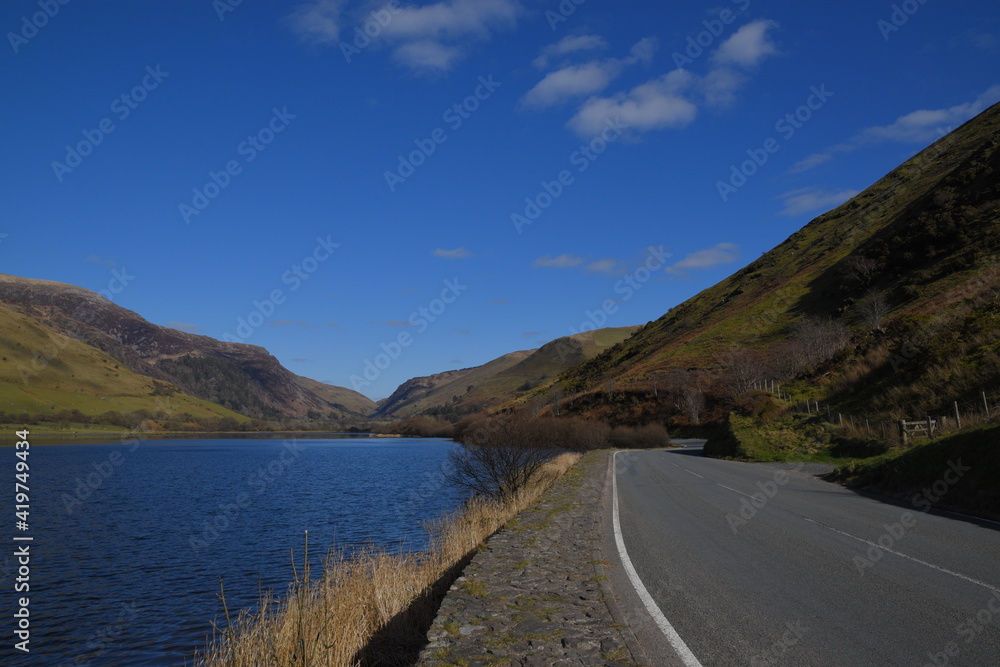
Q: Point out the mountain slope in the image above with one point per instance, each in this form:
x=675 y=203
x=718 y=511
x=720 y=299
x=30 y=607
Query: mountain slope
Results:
x=44 y=372
x=244 y=378
x=472 y=389
x=924 y=230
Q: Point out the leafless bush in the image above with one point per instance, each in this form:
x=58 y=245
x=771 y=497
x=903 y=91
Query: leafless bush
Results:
x=743 y=367
x=643 y=437
x=873 y=309
x=821 y=338
x=501 y=455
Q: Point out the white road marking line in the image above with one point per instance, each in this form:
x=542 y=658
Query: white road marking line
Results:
x=686 y=470
x=734 y=490
x=902 y=555
x=685 y=654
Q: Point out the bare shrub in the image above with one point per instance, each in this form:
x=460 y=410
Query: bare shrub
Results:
x=499 y=457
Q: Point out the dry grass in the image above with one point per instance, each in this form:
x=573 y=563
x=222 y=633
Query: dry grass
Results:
x=374 y=608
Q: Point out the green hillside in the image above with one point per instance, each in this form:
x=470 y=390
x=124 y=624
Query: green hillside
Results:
x=924 y=238
x=43 y=372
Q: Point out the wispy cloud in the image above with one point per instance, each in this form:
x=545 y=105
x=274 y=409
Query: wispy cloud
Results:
x=806 y=200
x=103 y=261
x=582 y=79
x=391 y=323
x=568 y=45
x=558 y=262
x=464 y=332
x=671 y=100
x=917 y=127
x=317 y=21
x=655 y=105
x=709 y=258
x=497 y=302
x=531 y=334
x=609 y=266
x=748 y=46
x=186 y=327
x=302 y=360
x=457 y=253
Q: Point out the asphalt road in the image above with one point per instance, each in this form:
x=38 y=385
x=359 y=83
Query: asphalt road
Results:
x=765 y=564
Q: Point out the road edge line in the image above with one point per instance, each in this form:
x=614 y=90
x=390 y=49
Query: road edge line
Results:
x=682 y=650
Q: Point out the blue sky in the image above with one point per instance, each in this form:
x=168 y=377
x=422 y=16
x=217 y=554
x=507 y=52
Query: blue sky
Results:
x=469 y=178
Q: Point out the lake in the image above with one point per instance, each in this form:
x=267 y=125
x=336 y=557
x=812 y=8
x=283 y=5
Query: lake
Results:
x=131 y=539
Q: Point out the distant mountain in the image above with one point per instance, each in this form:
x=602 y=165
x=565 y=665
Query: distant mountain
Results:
x=925 y=239
x=453 y=393
x=242 y=378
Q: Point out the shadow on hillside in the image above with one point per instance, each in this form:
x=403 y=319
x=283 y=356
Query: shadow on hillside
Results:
x=399 y=642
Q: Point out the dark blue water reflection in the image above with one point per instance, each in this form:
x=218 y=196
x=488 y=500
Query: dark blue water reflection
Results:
x=127 y=573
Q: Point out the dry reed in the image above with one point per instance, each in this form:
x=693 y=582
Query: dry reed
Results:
x=374 y=607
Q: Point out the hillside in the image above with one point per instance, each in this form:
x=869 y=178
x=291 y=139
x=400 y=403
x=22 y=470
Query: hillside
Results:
x=44 y=372
x=246 y=379
x=453 y=393
x=922 y=242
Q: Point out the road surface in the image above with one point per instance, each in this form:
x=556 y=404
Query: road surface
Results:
x=765 y=564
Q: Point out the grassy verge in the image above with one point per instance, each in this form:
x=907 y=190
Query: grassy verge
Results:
x=376 y=607
x=790 y=437
x=961 y=472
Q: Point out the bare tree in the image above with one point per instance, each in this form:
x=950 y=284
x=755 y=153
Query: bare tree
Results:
x=694 y=402
x=862 y=269
x=873 y=308
x=555 y=396
x=820 y=338
x=744 y=367
x=500 y=458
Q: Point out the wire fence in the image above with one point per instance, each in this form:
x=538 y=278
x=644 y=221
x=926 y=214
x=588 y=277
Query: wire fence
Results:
x=963 y=414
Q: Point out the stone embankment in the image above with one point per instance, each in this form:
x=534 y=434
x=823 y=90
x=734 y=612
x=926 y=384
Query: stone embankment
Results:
x=536 y=593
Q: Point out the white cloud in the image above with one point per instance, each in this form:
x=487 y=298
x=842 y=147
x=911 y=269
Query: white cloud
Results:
x=584 y=79
x=655 y=105
x=609 y=266
x=317 y=21
x=434 y=37
x=560 y=262
x=103 y=261
x=457 y=253
x=926 y=124
x=917 y=127
x=805 y=200
x=747 y=46
x=424 y=38
x=567 y=45
x=572 y=81
x=811 y=162
x=717 y=255
x=186 y=327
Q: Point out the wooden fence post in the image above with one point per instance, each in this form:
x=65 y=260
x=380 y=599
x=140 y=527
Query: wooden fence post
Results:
x=902 y=431
x=958 y=417
x=986 y=405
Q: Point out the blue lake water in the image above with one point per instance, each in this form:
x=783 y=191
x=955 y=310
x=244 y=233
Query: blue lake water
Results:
x=131 y=539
